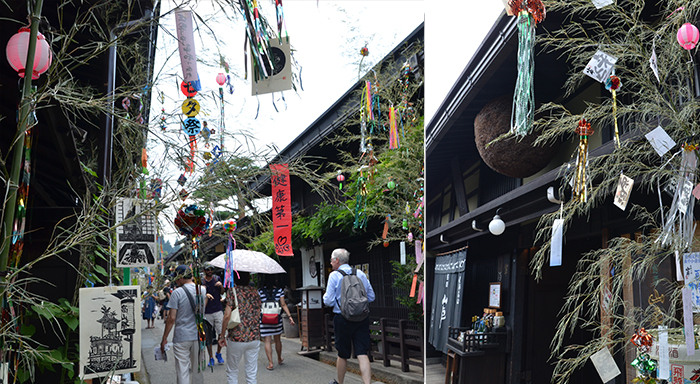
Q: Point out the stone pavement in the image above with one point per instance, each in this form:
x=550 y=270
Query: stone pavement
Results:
x=296 y=369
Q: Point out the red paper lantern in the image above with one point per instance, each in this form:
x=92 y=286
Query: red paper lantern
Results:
x=340 y=178
x=688 y=36
x=221 y=79
x=16 y=52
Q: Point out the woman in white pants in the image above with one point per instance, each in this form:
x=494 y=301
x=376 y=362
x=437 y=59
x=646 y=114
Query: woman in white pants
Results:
x=242 y=341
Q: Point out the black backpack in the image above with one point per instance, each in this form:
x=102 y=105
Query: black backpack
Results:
x=354 y=305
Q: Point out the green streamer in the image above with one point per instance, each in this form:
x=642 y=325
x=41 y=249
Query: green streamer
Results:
x=522 y=115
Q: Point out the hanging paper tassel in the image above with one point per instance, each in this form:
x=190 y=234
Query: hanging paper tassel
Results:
x=679 y=226
x=393 y=131
x=361 y=204
x=612 y=84
x=580 y=180
x=193 y=150
x=530 y=12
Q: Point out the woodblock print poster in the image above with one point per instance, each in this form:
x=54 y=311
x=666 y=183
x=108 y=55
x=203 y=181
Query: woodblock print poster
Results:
x=110 y=331
x=136 y=237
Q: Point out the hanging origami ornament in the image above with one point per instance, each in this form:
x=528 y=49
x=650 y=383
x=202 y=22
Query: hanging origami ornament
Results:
x=385 y=232
x=183 y=194
x=191 y=221
x=530 y=13
x=206 y=134
x=580 y=178
x=679 y=227
x=161 y=122
x=182 y=180
x=612 y=84
x=364 y=51
x=340 y=179
x=156 y=189
x=645 y=365
x=688 y=36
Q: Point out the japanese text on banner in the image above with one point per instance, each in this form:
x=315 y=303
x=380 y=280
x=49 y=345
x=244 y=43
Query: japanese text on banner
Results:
x=281 y=209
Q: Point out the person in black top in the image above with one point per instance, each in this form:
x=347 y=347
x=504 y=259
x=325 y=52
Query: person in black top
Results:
x=214 y=311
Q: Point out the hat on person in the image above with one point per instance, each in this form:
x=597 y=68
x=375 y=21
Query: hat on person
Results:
x=208 y=265
x=181 y=271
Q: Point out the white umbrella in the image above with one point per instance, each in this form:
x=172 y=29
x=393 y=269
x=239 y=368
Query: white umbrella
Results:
x=249 y=261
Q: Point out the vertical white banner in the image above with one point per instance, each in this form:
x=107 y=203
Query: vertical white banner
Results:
x=688 y=321
x=664 y=361
x=557 y=240
x=188 y=56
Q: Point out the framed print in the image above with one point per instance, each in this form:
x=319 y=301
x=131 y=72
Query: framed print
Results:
x=494 y=295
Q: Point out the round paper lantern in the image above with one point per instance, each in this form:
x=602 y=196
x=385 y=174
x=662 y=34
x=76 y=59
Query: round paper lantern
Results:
x=340 y=178
x=512 y=157
x=16 y=52
x=688 y=36
x=221 y=79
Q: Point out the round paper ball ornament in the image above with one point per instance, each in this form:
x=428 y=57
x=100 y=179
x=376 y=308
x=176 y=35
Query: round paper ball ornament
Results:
x=364 y=51
x=514 y=157
x=16 y=52
x=340 y=178
x=190 y=221
x=221 y=79
x=688 y=36
x=391 y=184
x=230 y=226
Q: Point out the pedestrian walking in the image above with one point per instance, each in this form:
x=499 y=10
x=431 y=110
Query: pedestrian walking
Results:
x=242 y=341
x=351 y=326
x=214 y=312
x=149 y=307
x=273 y=296
x=183 y=302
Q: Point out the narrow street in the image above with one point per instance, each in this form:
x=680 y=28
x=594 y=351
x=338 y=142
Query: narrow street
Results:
x=296 y=368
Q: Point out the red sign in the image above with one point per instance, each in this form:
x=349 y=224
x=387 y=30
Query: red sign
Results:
x=281 y=209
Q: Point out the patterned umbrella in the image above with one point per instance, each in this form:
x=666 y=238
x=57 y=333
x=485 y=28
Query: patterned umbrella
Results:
x=250 y=261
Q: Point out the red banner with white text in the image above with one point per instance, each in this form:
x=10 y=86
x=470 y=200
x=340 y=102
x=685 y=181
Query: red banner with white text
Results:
x=281 y=209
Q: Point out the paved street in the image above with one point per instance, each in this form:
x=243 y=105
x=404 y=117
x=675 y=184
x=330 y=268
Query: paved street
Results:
x=296 y=368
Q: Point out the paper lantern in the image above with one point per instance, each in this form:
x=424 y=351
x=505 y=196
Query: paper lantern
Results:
x=16 y=52
x=221 y=79
x=688 y=36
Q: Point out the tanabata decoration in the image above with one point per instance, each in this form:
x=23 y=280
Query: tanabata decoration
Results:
x=688 y=36
x=364 y=51
x=391 y=184
x=393 y=130
x=580 y=189
x=281 y=208
x=281 y=24
x=361 y=203
x=187 y=90
x=221 y=80
x=184 y=194
x=230 y=226
x=186 y=47
x=258 y=40
x=161 y=121
x=530 y=13
x=16 y=53
x=191 y=221
x=191 y=126
x=156 y=188
x=612 y=84
x=19 y=222
x=182 y=179
x=340 y=179
x=644 y=364
x=678 y=226
x=385 y=232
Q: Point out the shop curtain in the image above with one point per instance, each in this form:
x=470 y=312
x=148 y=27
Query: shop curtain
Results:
x=448 y=289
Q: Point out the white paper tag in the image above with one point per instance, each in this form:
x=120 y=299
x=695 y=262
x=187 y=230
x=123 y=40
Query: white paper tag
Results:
x=691 y=274
x=679 y=270
x=601 y=3
x=688 y=322
x=684 y=198
x=664 y=361
x=557 y=240
x=605 y=365
x=402 y=248
x=653 y=63
x=600 y=66
x=660 y=140
x=624 y=188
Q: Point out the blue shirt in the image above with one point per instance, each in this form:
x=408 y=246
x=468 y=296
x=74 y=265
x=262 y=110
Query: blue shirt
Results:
x=332 y=295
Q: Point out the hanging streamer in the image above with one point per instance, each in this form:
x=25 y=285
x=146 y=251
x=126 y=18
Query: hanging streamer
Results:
x=580 y=178
x=679 y=227
x=393 y=130
x=530 y=12
x=612 y=84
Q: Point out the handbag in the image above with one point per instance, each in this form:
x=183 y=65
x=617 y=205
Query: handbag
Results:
x=271 y=312
x=235 y=318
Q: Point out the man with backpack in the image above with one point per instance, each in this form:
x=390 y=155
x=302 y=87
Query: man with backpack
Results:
x=349 y=293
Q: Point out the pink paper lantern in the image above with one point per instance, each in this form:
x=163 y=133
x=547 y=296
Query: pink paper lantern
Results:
x=688 y=36
x=221 y=79
x=16 y=52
